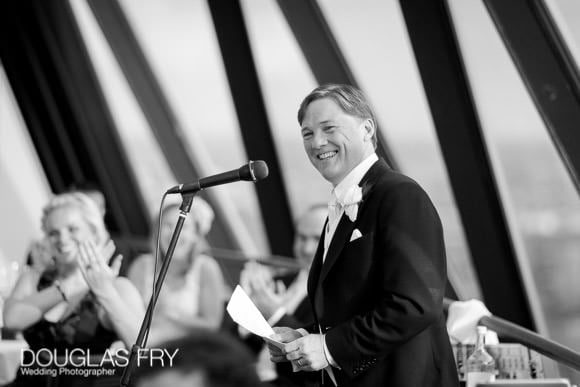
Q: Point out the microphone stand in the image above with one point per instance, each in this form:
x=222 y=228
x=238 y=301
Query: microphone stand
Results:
x=184 y=209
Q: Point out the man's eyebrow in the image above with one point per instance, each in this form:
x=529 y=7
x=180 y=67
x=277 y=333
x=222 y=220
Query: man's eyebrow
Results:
x=325 y=122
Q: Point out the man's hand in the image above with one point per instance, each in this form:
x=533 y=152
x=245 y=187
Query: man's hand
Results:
x=283 y=335
x=307 y=353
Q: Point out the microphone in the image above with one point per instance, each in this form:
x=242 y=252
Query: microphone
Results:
x=253 y=171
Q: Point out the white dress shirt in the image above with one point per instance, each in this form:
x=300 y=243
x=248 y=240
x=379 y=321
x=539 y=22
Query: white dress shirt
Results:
x=338 y=195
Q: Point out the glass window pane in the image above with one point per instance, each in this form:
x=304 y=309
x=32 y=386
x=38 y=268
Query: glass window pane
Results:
x=385 y=68
x=179 y=40
x=279 y=59
x=151 y=169
x=25 y=189
x=566 y=14
x=541 y=201
x=147 y=159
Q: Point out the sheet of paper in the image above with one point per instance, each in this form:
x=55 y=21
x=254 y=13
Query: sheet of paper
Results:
x=245 y=313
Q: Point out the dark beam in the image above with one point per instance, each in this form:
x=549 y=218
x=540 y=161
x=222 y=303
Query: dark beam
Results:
x=64 y=109
x=322 y=52
x=466 y=157
x=24 y=72
x=157 y=110
x=529 y=34
x=256 y=133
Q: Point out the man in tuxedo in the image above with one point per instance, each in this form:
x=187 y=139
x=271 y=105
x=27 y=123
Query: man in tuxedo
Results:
x=378 y=278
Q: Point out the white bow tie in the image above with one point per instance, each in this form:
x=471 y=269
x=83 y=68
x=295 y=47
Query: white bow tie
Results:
x=349 y=203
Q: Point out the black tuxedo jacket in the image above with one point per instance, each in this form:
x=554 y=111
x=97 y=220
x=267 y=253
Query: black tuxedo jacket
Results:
x=379 y=298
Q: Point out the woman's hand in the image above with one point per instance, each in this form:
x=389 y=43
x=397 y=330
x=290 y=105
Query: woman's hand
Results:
x=41 y=256
x=93 y=264
x=267 y=294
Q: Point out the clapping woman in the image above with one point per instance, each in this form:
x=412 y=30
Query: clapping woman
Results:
x=71 y=297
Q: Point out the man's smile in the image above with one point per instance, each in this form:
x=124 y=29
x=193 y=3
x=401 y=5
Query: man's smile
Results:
x=326 y=155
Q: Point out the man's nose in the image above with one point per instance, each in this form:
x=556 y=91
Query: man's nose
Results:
x=319 y=140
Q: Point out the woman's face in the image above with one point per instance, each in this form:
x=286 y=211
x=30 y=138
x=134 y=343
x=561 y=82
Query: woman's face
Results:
x=65 y=228
x=187 y=238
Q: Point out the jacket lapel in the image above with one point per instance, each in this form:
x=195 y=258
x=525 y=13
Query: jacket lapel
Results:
x=314 y=272
x=314 y=275
x=339 y=240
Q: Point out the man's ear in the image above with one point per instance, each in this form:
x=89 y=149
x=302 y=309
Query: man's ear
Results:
x=370 y=128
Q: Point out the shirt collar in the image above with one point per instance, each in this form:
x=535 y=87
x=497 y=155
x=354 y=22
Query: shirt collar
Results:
x=354 y=176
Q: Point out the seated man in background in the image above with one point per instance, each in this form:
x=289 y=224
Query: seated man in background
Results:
x=286 y=306
x=203 y=359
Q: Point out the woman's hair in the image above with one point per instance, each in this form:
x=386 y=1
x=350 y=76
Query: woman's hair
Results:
x=85 y=205
x=201 y=213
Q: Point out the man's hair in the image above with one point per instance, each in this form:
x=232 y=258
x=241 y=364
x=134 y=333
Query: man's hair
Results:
x=350 y=99
x=219 y=357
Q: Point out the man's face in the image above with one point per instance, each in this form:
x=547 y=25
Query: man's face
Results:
x=335 y=141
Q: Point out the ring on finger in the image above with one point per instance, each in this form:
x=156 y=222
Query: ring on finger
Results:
x=299 y=362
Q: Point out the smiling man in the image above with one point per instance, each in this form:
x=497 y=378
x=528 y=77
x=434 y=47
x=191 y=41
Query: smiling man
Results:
x=377 y=282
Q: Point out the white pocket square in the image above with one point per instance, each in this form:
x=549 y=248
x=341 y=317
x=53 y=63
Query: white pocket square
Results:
x=355 y=235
